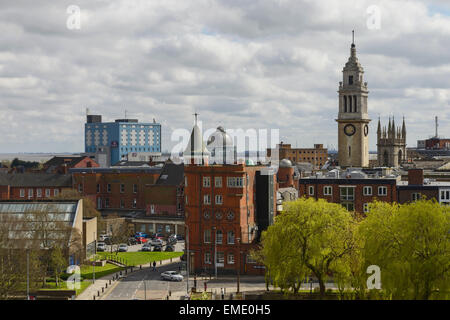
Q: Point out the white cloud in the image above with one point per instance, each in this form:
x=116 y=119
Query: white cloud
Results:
x=239 y=63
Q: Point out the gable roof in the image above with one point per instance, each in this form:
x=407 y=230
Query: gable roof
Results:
x=35 y=180
x=69 y=160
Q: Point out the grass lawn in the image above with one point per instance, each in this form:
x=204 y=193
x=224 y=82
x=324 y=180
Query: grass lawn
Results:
x=63 y=286
x=138 y=258
x=87 y=271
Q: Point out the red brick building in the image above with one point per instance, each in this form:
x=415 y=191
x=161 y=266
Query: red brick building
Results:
x=117 y=191
x=317 y=156
x=33 y=186
x=354 y=190
x=227 y=207
x=63 y=164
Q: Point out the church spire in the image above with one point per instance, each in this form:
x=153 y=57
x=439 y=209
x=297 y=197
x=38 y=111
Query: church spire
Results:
x=403 y=129
x=379 y=127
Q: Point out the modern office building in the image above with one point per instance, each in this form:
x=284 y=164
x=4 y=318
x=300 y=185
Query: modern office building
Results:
x=111 y=142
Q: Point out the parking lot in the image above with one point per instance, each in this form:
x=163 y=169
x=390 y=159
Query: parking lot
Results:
x=179 y=246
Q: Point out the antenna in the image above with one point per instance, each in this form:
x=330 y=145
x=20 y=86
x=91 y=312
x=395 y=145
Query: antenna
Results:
x=195 y=114
x=353 y=36
x=125 y=113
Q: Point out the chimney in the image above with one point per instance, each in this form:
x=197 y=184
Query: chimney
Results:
x=415 y=176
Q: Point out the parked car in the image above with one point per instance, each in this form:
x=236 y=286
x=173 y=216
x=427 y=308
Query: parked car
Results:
x=172 y=240
x=179 y=237
x=159 y=236
x=157 y=248
x=132 y=241
x=156 y=242
x=102 y=237
x=141 y=240
x=169 y=248
x=123 y=247
x=101 y=246
x=108 y=240
x=141 y=235
x=146 y=247
x=171 y=276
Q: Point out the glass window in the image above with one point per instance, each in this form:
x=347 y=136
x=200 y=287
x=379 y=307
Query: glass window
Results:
x=207 y=236
x=135 y=188
x=311 y=190
x=327 y=190
x=208 y=257
x=47 y=193
x=122 y=188
x=206 y=182
x=219 y=199
x=39 y=193
x=230 y=258
x=55 y=192
x=30 y=193
x=22 y=193
x=98 y=188
x=230 y=237
x=366 y=207
x=367 y=191
x=207 y=199
x=347 y=193
x=220 y=258
x=218 y=182
x=219 y=236
x=108 y=187
x=382 y=191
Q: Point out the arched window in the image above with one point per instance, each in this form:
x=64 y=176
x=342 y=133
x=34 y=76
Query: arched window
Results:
x=230 y=237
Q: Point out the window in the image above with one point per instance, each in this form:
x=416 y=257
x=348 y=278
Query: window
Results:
x=348 y=205
x=218 y=182
x=207 y=236
x=230 y=237
x=107 y=203
x=347 y=193
x=30 y=193
x=230 y=259
x=382 y=191
x=207 y=199
x=39 y=193
x=219 y=236
x=122 y=203
x=55 y=192
x=366 y=207
x=208 y=257
x=311 y=190
x=367 y=191
x=80 y=187
x=235 y=182
x=135 y=188
x=350 y=80
x=220 y=258
x=206 y=182
x=22 y=193
x=98 y=188
x=108 y=187
x=219 y=199
x=134 y=203
x=327 y=191
x=47 y=193
x=250 y=259
x=122 y=188
x=415 y=196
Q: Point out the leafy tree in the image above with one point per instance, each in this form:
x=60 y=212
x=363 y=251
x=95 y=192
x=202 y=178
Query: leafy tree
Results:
x=309 y=237
x=411 y=245
x=57 y=262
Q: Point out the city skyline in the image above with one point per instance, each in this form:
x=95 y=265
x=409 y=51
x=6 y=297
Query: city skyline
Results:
x=263 y=65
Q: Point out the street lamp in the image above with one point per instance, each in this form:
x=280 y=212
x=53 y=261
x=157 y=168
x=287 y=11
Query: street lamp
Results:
x=239 y=264
x=215 y=251
x=187 y=259
x=28 y=274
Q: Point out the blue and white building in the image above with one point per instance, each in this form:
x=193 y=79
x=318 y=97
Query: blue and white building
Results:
x=111 y=142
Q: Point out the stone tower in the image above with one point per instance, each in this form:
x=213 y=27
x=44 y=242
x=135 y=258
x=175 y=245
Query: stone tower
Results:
x=353 y=119
x=391 y=144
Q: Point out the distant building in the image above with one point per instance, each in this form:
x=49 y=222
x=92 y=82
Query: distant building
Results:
x=110 y=142
x=316 y=156
x=352 y=188
x=33 y=186
x=62 y=165
x=391 y=144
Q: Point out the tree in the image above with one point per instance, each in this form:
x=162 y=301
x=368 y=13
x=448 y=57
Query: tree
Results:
x=411 y=245
x=308 y=237
x=57 y=262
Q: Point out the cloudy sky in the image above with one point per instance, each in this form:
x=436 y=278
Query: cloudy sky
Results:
x=240 y=64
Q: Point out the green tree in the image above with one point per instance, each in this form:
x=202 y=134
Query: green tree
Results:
x=308 y=237
x=411 y=245
x=58 y=262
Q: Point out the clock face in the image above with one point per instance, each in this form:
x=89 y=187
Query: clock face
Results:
x=366 y=130
x=349 y=129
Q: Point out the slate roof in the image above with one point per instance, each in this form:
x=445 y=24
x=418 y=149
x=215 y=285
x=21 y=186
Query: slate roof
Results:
x=35 y=180
x=172 y=174
x=69 y=160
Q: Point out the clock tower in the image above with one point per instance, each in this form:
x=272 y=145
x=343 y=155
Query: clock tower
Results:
x=353 y=119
